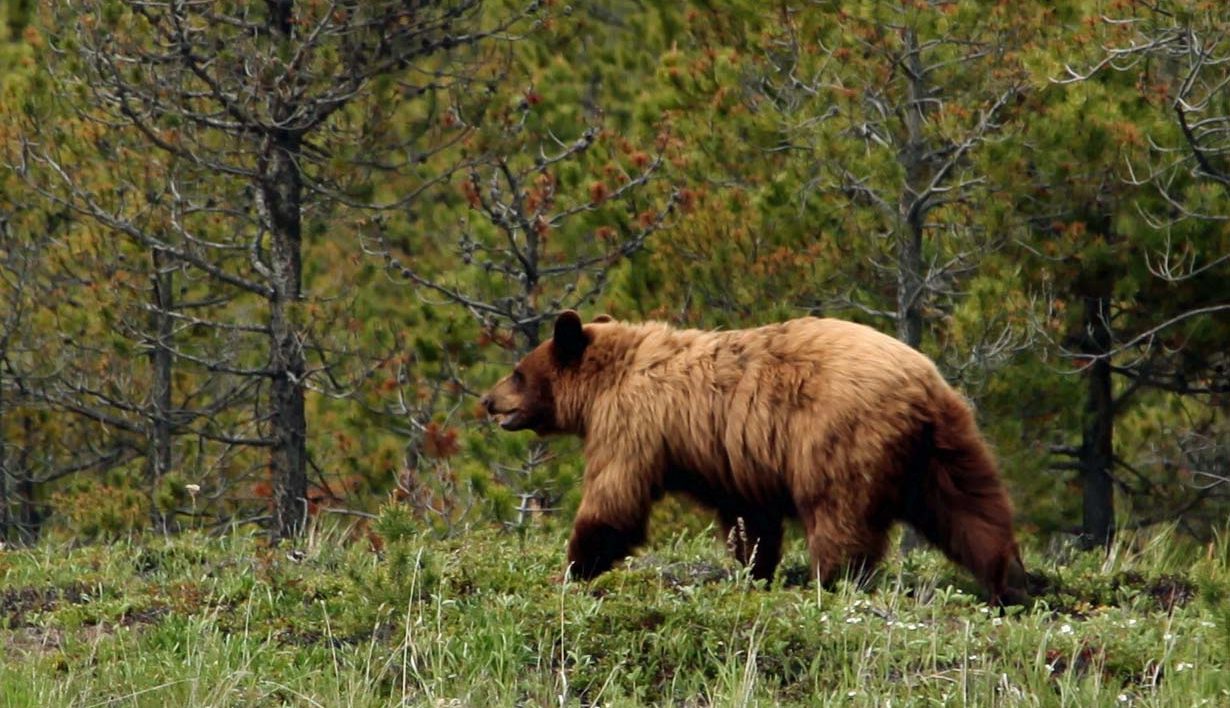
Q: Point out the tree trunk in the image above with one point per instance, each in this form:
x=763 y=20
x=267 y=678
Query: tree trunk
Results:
x=29 y=520
x=4 y=471
x=910 y=225
x=282 y=191
x=912 y=212
x=909 y=286
x=909 y=316
x=158 y=457
x=1097 y=444
x=19 y=12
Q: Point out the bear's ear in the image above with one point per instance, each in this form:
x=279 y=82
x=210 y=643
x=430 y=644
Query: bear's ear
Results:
x=569 y=337
x=603 y=318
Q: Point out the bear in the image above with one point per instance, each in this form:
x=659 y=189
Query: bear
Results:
x=826 y=421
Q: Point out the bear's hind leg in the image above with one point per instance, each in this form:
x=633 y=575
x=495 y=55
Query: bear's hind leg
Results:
x=842 y=548
x=862 y=565
x=755 y=539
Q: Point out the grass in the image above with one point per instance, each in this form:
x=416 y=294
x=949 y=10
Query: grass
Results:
x=483 y=619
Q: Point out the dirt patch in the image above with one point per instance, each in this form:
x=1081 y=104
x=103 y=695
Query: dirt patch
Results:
x=27 y=640
x=23 y=636
x=795 y=575
x=17 y=604
x=1081 y=662
x=681 y=573
x=311 y=637
x=1167 y=592
x=143 y=615
x=1172 y=591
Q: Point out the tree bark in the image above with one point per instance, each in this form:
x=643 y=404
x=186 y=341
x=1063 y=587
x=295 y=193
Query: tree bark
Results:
x=19 y=13
x=912 y=210
x=1097 y=444
x=909 y=286
x=158 y=456
x=4 y=471
x=282 y=190
x=29 y=520
x=910 y=224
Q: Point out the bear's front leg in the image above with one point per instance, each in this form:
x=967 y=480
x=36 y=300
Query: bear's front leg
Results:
x=611 y=522
x=597 y=545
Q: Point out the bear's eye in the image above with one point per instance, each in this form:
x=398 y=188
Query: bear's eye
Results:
x=518 y=378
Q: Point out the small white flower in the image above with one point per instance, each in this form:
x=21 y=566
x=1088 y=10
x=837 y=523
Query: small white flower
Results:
x=1208 y=624
x=984 y=610
x=1183 y=666
x=851 y=694
x=1123 y=698
x=1131 y=622
x=1167 y=636
x=997 y=621
x=1065 y=629
x=853 y=620
x=192 y=488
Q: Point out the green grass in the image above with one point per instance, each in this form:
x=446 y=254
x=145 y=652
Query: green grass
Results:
x=482 y=619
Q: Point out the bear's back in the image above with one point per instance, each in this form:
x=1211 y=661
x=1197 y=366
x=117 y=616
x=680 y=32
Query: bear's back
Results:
x=805 y=355
x=751 y=409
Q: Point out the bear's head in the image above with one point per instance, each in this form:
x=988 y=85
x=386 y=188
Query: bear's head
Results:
x=542 y=392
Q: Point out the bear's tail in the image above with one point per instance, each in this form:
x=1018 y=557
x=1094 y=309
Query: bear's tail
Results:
x=956 y=500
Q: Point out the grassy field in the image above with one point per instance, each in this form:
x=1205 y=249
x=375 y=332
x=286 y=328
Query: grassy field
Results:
x=483 y=619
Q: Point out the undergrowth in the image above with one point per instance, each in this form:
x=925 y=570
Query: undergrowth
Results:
x=485 y=619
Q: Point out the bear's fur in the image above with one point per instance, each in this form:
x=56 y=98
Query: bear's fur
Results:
x=830 y=422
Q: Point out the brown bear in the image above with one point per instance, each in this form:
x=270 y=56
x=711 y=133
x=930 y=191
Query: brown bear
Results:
x=827 y=421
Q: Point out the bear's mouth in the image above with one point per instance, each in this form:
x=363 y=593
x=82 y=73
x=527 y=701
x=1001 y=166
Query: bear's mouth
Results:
x=509 y=420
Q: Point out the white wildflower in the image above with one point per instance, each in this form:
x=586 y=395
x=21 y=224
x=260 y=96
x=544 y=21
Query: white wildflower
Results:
x=1065 y=629
x=1183 y=666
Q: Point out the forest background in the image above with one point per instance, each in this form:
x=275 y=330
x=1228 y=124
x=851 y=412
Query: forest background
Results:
x=256 y=259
